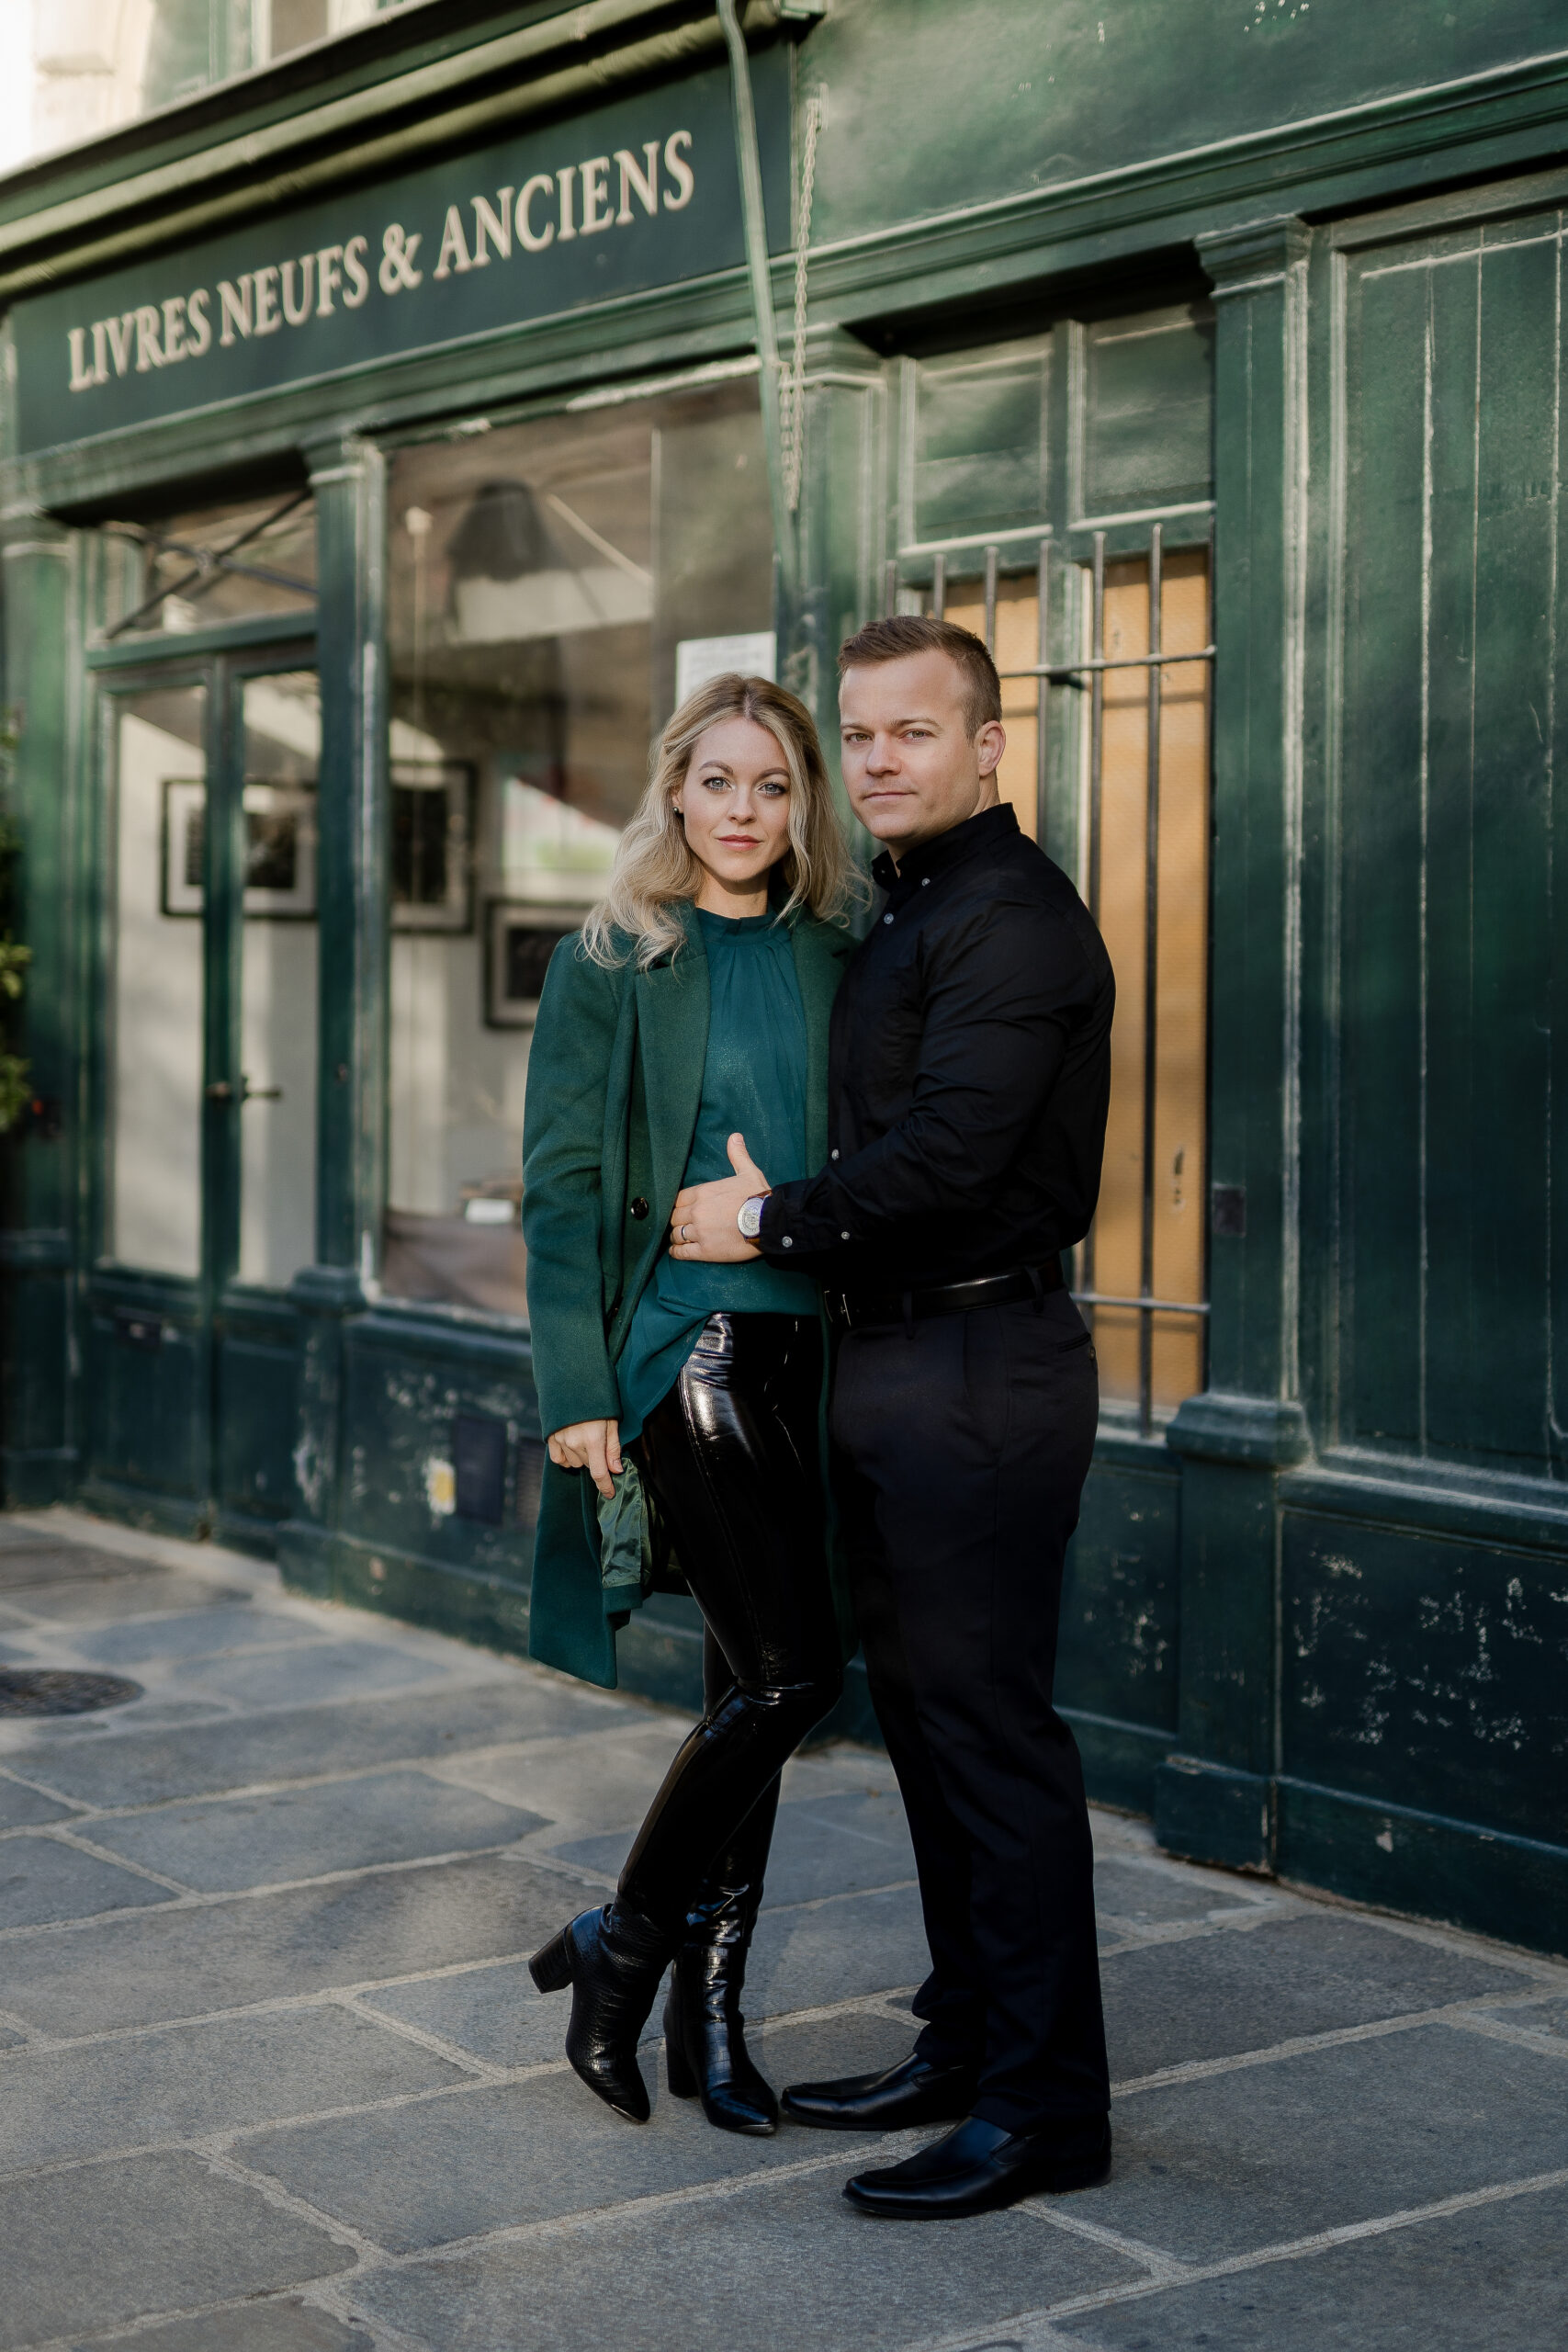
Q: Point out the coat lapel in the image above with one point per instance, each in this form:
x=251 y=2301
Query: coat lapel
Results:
x=820 y=955
x=672 y=1027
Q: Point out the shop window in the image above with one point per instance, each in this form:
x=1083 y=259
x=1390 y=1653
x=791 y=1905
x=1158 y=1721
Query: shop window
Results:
x=554 y=587
x=219 y=564
x=1108 y=739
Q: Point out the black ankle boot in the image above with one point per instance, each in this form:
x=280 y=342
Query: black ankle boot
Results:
x=613 y=1958
x=704 y=2040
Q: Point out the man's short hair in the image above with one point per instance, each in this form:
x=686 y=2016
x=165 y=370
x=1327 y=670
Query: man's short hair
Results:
x=902 y=634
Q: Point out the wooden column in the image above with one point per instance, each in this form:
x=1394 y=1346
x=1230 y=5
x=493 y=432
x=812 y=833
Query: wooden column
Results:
x=1214 y=1794
x=349 y=479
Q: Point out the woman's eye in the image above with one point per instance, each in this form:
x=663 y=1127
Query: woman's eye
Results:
x=774 y=791
x=715 y=784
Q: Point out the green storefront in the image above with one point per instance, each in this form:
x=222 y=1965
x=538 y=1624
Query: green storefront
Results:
x=387 y=447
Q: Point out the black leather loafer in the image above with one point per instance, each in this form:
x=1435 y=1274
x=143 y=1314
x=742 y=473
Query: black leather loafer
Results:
x=899 y=2097
x=977 y=2169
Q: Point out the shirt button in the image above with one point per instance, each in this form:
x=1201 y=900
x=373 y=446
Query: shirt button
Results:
x=925 y=881
x=640 y=1208
x=833 y=1154
x=788 y=1241
x=843 y=1237
x=887 y=917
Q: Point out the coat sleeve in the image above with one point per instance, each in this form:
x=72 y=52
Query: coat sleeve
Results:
x=563 y=1144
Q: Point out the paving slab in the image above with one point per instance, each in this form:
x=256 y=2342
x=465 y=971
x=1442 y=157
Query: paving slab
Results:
x=1221 y=2165
x=496 y=2013
x=1546 y=2016
x=43 y=1880
x=283 y=2324
x=1166 y=2005
x=21 y=1807
x=417 y=2177
x=823 y=1846
x=1155 y=1895
x=198 y=1635
x=225 y=1843
x=837 y=1951
x=186 y=2080
x=101 y=1599
x=165 y=2233
x=300 y=1742
x=1492 y=2279
x=35 y=1561
x=784 y=2263
x=15 y=1538
x=581 y=1783
x=191 y=1960
x=327 y=1670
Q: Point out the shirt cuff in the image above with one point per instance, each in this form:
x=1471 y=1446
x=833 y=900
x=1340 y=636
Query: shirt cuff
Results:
x=798 y=1223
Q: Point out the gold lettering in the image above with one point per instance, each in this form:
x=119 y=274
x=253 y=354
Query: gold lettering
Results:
x=565 y=178
x=82 y=377
x=532 y=240
x=174 y=345
x=454 y=253
x=357 y=291
x=200 y=330
x=596 y=214
x=646 y=182
x=234 y=310
x=268 y=318
x=298 y=312
x=490 y=228
x=679 y=170
x=328 y=275
x=148 y=355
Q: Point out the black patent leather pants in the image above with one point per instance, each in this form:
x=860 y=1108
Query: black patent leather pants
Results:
x=731 y=1455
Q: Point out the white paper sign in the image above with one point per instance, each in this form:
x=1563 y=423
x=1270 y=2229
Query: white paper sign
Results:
x=698 y=659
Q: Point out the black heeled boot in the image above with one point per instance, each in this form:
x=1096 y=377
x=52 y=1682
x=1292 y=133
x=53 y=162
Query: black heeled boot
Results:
x=705 y=2041
x=613 y=1958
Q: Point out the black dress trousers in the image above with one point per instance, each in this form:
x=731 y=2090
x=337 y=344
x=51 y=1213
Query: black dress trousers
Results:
x=961 y=1443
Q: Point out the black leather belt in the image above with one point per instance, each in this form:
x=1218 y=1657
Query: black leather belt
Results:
x=854 y=1310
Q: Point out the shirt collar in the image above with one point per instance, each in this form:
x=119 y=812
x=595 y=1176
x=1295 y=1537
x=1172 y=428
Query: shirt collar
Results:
x=927 y=860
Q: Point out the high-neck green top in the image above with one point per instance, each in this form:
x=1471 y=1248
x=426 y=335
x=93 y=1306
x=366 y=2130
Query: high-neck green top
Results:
x=754 y=1085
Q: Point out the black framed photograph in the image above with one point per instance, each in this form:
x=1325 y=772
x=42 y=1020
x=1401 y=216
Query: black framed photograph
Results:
x=519 y=942
x=280 y=850
x=433 y=835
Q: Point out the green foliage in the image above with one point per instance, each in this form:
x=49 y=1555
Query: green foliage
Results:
x=15 y=1070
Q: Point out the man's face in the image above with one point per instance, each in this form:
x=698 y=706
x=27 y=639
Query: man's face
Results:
x=911 y=767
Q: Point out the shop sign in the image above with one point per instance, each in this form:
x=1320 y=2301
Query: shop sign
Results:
x=642 y=193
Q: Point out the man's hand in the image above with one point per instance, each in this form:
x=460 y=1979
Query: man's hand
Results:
x=704 y=1226
x=594 y=1446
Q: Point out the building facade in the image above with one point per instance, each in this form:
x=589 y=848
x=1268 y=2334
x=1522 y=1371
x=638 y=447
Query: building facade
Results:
x=394 y=432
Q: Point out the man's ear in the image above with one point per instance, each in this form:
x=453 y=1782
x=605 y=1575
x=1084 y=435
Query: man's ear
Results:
x=990 y=743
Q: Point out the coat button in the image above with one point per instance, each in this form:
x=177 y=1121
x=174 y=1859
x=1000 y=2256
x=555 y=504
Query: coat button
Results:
x=639 y=1208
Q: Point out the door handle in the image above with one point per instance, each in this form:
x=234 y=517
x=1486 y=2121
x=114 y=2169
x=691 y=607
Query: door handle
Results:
x=221 y=1091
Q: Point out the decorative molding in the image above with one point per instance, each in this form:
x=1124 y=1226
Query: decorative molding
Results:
x=1255 y=254
x=1260 y=1431
x=40 y=1250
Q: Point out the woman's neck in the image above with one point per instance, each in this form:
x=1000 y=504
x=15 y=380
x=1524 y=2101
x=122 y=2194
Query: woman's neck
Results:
x=737 y=900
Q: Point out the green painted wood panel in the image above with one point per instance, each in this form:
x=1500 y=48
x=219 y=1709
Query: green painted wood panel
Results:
x=1426 y=1672
x=1452 y=533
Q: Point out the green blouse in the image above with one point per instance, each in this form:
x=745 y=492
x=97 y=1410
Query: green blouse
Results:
x=754 y=1085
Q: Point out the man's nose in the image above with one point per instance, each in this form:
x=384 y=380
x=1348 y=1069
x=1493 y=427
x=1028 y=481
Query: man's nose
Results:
x=882 y=757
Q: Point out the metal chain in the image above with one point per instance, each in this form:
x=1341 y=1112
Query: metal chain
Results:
x=794 y=382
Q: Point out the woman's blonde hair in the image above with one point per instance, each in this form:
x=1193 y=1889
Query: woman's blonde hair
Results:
x=654 y=871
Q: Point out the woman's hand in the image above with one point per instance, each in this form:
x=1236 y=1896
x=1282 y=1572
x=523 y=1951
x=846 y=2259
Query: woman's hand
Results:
x=594 y=1446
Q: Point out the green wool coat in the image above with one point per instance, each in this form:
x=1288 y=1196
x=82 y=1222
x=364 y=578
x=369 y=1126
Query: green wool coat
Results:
x=615 y=1082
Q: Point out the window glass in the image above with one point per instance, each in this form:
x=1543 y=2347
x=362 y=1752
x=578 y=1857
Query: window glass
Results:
x=221 y=564
x=550 y=585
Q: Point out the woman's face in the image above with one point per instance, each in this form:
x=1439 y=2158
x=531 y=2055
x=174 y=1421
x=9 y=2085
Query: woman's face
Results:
x=735 y=802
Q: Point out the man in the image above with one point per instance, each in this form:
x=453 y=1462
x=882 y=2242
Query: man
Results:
x=968 y=1082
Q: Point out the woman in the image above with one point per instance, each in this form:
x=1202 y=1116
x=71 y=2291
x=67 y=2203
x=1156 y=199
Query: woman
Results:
x=692 y=1013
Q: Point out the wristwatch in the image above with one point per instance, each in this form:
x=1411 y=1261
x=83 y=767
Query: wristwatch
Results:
x=749 y=1216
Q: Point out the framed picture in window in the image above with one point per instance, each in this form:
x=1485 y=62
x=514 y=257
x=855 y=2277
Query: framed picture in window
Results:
x=519 y=942
x=279 y=849
x=433 y=834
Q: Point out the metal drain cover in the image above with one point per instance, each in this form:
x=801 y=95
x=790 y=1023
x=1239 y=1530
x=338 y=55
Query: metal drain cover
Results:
x=46 y=1690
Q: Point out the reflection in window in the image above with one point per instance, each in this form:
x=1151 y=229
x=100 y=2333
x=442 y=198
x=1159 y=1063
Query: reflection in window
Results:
x=548 y=584
x=225 y=563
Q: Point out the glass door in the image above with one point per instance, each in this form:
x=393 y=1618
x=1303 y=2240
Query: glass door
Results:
x=209 y=1072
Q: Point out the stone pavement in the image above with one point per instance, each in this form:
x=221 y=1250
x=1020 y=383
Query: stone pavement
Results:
x=273 y=2077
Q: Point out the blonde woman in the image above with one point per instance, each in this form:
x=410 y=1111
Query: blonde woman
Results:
x=684 y=1036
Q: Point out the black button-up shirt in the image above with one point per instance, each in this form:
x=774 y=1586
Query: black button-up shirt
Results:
x=969 y=1073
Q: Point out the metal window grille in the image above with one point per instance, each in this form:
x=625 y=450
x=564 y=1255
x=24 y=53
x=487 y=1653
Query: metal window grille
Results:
x=1087 y=675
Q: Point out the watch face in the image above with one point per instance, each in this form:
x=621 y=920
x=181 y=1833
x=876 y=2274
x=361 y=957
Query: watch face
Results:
x=751 y=1219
